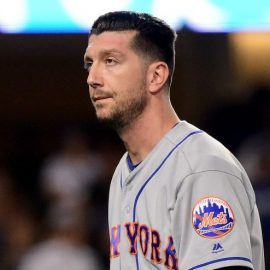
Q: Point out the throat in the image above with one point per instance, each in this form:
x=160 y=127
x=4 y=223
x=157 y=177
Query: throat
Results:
x=131 y=165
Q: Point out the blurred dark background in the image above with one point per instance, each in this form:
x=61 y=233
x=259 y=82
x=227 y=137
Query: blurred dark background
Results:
x=56 y=160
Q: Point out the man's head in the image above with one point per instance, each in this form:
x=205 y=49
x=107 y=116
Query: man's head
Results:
x=154 y=40
x=130 y=60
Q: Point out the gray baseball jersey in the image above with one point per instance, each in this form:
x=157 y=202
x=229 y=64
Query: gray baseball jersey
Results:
x=188 y=205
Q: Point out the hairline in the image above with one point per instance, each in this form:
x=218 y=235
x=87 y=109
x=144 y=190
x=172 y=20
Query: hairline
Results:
x=131 y=43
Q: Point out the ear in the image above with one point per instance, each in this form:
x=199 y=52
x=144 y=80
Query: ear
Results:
x=158 y=75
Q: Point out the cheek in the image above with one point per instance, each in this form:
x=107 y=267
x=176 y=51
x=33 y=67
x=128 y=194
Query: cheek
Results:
x=131 y=79
x=125 y=79
x=128 y=72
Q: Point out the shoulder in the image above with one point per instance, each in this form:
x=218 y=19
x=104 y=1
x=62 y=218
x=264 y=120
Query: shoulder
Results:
x=203 y=153
x=212 y=164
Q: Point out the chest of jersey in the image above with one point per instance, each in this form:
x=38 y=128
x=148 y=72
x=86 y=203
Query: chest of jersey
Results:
x=141 y=210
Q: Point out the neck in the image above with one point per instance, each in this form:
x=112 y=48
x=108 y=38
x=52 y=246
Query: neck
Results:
x=148 y=129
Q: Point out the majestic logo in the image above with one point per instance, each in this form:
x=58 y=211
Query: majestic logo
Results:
x=212 y=217
x=217 y=248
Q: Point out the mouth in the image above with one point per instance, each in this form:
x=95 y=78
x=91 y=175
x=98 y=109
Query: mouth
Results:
x=100 y=98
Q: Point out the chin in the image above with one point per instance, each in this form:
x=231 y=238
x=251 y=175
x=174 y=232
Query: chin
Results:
x=103 y=117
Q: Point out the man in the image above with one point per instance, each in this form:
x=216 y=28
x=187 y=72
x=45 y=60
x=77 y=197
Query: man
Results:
x=178 y=198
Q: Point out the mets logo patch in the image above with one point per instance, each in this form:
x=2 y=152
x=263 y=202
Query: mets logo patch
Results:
x=212 y=217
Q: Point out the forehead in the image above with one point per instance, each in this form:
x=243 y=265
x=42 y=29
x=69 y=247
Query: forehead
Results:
x=113 y=40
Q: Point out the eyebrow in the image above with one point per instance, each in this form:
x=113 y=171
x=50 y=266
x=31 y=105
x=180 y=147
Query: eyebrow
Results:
x=86 y=58
x=104 y=52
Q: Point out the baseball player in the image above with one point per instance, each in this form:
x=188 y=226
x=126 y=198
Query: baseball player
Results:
x=178 y=198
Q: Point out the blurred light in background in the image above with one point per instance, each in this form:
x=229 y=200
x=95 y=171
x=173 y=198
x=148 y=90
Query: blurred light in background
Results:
x=251 y=54
x=76 y=16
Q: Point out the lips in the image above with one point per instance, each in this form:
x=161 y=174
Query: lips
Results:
x=98 y=98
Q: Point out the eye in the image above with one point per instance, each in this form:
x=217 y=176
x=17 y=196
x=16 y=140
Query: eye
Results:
x=87 y=65
x=110 y=61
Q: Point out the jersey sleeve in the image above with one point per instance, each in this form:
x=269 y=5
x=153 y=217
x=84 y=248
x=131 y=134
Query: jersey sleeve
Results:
x=211 y=222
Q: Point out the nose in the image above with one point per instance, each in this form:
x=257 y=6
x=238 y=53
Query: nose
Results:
x=94 y=78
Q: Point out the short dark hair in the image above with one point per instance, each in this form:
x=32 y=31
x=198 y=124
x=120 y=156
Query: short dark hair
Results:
x=155 y=39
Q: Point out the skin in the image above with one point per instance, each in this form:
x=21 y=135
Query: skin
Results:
x=110 y=68
x=118 y=77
